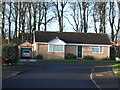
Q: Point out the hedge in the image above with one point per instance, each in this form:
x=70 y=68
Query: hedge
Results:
x=70 y=56
x=89 y=57
x=39 y=56
x=10 y=51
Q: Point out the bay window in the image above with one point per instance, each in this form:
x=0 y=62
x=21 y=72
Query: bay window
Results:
x=56 y=48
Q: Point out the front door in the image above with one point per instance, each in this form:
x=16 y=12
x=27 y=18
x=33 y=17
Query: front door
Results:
x=79 y=51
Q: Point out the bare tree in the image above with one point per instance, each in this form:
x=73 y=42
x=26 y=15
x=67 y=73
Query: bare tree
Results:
x=59 y=13
x=9 y=20
x=76 y=14
x=95 y=16
x=34 y=15
x=118 y=25
x=23 y=14
x=102 y=16
x=85 y=6
x=46 y=7
x=40 y=15
x=19 y=12
x=16 y=18
x=3 y=20
x=112 y=19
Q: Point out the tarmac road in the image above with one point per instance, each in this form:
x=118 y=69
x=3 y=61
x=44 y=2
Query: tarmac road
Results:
x=54 y=75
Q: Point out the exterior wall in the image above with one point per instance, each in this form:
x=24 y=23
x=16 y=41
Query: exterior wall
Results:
x=43 y=49
x=71 y=49
x=87 y=50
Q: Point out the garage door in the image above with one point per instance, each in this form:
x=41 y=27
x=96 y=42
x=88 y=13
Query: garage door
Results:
x=26 y=49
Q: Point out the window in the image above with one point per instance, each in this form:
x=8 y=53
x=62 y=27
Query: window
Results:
x=56 y=48
x=97 y=49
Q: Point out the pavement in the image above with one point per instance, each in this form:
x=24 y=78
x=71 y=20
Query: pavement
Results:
x=102 y=75
x=14 y=70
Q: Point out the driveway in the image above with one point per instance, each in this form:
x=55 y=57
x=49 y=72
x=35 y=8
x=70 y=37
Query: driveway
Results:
x=54 y=75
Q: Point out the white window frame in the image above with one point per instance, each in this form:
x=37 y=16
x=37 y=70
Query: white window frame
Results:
x=51 y=49
x=97 y=47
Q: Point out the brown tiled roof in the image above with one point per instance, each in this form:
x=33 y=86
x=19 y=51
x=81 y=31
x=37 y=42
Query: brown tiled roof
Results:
x=72 y=37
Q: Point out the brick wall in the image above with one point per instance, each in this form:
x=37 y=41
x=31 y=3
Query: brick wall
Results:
x=87 y=50
x=43 y=49
x=70 y=49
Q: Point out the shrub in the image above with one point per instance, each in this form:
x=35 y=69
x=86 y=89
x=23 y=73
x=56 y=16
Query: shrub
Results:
x=106 y=58
x=39 y=56
x=10 y=51
x=70 y=56
x=89 y=58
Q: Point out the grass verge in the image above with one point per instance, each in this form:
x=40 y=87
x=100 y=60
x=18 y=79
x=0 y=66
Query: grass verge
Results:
x=84 y=61
x=6 y=66
x=116 y=69
x=118 y=74
x=116 y=66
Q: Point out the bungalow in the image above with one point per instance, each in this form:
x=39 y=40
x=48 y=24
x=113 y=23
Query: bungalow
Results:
x=55 y=45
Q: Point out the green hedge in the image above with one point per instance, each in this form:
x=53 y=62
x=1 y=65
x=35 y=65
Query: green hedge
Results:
x=70 y=56
x=89 y=57
x=39 y=56
x=10 y=51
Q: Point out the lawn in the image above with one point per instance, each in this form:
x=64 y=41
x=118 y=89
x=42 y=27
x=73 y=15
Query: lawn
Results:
x=116 y=66
x=5 y=66
x=72 y=60
x=118 y=73
x=116 y=69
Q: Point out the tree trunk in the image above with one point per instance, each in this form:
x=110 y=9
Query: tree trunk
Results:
x=84 y=16
x=30 y=17
x=9 y=21
x=3 y=19
x=16 y=17
x=19 y=34
x=39 y=22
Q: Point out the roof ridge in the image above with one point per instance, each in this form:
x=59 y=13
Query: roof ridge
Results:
x=72 y=32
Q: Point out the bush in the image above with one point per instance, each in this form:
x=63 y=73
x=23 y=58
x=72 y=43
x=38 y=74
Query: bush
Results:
x=106 y=58
x=39 y=56
x=10 y=51
x=70 y=56
x=89 y=58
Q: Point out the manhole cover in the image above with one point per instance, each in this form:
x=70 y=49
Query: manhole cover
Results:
x=99 y=75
